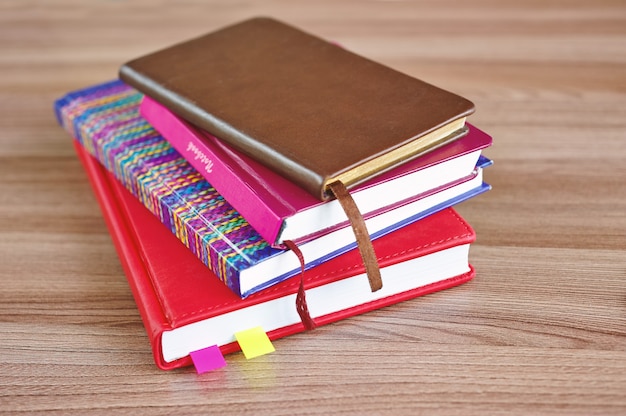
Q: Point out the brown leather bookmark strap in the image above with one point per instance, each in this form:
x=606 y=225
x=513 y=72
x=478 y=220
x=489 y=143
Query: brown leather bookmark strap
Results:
x=301 y=306
x=360 y=232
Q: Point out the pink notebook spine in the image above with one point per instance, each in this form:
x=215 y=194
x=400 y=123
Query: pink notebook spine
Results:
x=250 y=194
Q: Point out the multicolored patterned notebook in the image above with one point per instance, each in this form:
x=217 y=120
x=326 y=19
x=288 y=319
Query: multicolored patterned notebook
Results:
x=105 y=119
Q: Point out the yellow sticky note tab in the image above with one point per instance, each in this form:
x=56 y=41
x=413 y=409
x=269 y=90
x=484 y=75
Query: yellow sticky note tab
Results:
x=254 y=342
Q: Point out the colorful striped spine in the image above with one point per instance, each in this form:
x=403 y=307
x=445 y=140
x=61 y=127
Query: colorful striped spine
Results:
x=106 y=121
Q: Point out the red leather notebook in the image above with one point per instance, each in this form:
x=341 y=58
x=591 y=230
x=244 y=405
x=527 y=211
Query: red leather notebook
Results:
x=185 y=307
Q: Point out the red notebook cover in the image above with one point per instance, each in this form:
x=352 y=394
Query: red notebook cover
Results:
x=178 y=296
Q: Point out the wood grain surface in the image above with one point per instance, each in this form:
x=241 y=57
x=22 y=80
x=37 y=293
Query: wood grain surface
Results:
x=542 y=328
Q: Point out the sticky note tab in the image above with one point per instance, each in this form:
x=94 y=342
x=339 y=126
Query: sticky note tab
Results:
x=254 y=342
x=208 y=359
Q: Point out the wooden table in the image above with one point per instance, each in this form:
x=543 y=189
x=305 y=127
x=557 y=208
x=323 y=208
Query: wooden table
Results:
x=542 y=328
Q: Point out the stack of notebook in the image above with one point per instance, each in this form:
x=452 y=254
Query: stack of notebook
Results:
x=261 y=177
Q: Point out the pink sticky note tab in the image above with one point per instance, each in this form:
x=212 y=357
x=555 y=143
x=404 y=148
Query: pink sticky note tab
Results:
x=208 y=359
x=254 y=342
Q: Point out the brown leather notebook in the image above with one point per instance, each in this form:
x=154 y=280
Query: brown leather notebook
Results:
x=307 y=108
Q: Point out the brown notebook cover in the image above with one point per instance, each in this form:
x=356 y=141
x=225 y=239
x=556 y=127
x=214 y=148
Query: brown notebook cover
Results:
x=307 y=108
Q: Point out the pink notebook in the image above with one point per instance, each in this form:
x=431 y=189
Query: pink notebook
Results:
x=280 y=210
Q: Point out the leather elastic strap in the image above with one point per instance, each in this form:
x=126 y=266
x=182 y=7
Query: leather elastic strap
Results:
x=360 y=232
x=301 y=306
